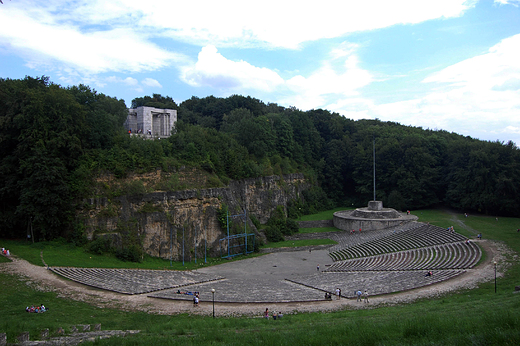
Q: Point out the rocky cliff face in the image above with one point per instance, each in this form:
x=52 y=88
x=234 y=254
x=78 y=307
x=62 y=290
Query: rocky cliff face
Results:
x=177 y=223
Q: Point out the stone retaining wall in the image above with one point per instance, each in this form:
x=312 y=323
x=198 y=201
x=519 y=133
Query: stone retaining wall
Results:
x=167 y=221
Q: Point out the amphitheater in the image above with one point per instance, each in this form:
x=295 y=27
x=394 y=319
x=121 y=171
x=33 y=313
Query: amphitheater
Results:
x=382 y=262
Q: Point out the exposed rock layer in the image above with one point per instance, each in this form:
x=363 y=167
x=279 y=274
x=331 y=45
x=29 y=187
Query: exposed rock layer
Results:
x=189 y=218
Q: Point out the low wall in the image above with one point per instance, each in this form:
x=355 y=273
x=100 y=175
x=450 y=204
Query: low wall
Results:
x=346 y=223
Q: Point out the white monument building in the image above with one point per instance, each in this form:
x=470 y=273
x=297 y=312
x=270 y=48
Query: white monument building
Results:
x=151 y=122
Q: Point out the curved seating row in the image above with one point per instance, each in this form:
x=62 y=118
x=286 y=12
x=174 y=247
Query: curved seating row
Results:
x=347 y=239
x=422 y=236
x=458 y=255
x=129 y=281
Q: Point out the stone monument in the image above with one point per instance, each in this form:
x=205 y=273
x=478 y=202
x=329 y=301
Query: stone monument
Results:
x=151 y=122
x=372 y=218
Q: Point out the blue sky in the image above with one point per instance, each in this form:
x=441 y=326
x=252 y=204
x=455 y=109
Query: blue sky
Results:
x=444 y=64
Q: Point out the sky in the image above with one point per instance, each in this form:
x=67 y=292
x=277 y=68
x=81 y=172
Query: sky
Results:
x=449 y=65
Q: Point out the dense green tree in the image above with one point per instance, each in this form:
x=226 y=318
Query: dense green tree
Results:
x=104 y=116
x=46 y=127
x=157 y=101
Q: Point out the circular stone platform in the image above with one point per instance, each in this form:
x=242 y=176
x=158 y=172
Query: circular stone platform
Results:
x=372 y=218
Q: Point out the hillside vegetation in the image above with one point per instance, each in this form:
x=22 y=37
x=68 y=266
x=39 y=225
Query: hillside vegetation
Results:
x=57 y=143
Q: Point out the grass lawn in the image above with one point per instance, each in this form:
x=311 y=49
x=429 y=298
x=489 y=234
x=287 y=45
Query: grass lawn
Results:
x=324 y=215
x=65 y=255
x=467 y=317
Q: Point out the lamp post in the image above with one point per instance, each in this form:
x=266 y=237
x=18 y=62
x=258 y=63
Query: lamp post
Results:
x=213 y=293
x=495 y=263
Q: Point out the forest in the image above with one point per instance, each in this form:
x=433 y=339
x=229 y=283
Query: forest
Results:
x=55 y=140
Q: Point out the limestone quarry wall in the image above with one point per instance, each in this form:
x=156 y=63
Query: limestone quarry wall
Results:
x=167 y=221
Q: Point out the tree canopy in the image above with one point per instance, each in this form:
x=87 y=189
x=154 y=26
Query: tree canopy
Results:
x=54 y=141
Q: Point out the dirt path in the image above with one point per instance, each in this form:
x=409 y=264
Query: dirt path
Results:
x=44 y=279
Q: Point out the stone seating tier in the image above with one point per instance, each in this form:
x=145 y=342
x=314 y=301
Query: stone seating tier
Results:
x=423 y=236
x=445 y=256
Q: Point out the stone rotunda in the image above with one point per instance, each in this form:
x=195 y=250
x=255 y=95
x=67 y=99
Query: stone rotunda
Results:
x=372 y=218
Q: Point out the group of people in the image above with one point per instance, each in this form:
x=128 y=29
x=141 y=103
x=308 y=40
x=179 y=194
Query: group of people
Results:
x=195 y=295
x=5 y=252
x=275 y=314
x=36 y=309
x=360 y=296
x=353 y=231
x=140 y=131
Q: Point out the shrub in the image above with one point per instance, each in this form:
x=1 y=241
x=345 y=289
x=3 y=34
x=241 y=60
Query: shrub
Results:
x=130 y=254
x=213 y=181
x=149 y=207
x=291 y=227
x=135 y=187
x=77 y=236
x=99 y=246
x=255 y=221
x=273 y=234
x=222 y=216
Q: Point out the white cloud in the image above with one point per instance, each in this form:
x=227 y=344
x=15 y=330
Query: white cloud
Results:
x=44 y=39
x=339 y=77
x=284 y=23
x=150 y=82
x=114 y=35
x=214 y=70
x=131 y=83
x=512 y=129
x=478 y=96
x=81 y=39
x=508 y=2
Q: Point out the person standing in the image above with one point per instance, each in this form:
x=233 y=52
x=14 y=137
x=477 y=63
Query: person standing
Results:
x=266 y=313
x=359 y=294
x=338 y=293
x=366 y=296
x=318 y=267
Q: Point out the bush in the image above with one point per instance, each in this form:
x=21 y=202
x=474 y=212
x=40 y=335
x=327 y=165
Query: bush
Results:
x=255 y=221
x=99 y=246
x=291 y=227
x=222 y=216
x=273 y=234
x=77 y=236
x=281 y=224
x=131 y=254
x=213 y=181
